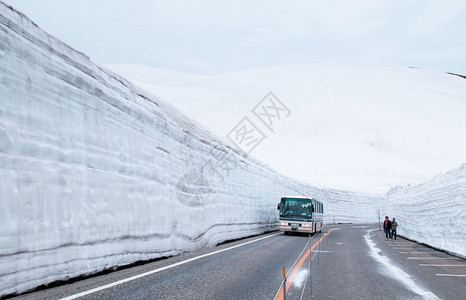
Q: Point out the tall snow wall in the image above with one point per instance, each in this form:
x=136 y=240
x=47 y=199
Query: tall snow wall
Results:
x=90 y=165
x=434 y=212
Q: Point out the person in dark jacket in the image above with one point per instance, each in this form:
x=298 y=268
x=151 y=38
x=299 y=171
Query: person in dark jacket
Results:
x=394 y=225
x=387 y=226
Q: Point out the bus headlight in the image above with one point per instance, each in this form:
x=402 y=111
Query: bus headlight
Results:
x=306 y=225
x=283 y=224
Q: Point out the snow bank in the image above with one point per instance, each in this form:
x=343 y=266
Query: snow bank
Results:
x=433 y=213
x=90 y=170
x=360 y=128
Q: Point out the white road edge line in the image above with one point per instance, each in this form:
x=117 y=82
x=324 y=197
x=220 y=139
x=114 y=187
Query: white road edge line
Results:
x=434 y=265
x=418 y=252
x=395 y=242
x=110 y=285
x=450 y=275
x=432 y=258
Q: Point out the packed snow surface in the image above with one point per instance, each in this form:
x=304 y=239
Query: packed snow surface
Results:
x=350 y=127
x=95 y=173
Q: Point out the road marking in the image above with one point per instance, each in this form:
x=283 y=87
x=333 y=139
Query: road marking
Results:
x=390 y=270
x=420 y=252
x=434 y=265
x=297 y=266
x=432 y=258
x=451 y=275
x=110 y=285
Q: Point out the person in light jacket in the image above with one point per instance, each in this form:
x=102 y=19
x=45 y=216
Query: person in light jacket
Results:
x=394 y=225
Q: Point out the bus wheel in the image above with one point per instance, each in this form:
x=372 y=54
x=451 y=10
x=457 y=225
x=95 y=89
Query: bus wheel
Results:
x=285 y=232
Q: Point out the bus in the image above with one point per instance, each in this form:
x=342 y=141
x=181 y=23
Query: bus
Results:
x=300 y=214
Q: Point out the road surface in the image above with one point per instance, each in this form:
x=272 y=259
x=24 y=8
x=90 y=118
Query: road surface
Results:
x=348 y=262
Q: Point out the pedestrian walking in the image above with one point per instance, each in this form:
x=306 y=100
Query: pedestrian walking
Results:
x=387 y=226
x=394 y=225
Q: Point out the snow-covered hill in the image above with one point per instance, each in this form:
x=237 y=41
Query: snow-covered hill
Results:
x=351 y=127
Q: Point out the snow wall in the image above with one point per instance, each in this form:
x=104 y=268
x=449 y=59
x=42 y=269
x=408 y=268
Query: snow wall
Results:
x=434 y=212
x=89 y=169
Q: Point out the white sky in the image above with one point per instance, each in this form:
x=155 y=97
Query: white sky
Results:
x=208 y=37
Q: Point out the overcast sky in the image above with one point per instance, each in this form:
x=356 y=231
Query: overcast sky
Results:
x=209 y=37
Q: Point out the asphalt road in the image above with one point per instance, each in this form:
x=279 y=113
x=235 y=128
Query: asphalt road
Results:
x=348 y=262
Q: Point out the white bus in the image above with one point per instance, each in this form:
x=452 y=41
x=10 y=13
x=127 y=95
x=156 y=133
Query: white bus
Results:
x=300 y=214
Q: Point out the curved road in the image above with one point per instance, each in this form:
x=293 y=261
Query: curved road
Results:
x=348 y=262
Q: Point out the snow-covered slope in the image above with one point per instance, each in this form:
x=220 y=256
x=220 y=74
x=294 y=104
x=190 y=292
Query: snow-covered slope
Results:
x=434 y=212
x=92 y=170
x=351 y=127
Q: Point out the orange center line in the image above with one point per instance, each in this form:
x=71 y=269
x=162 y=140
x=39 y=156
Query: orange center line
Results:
x=294 y=271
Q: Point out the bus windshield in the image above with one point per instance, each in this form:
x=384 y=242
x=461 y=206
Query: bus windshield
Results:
x=291 y=207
